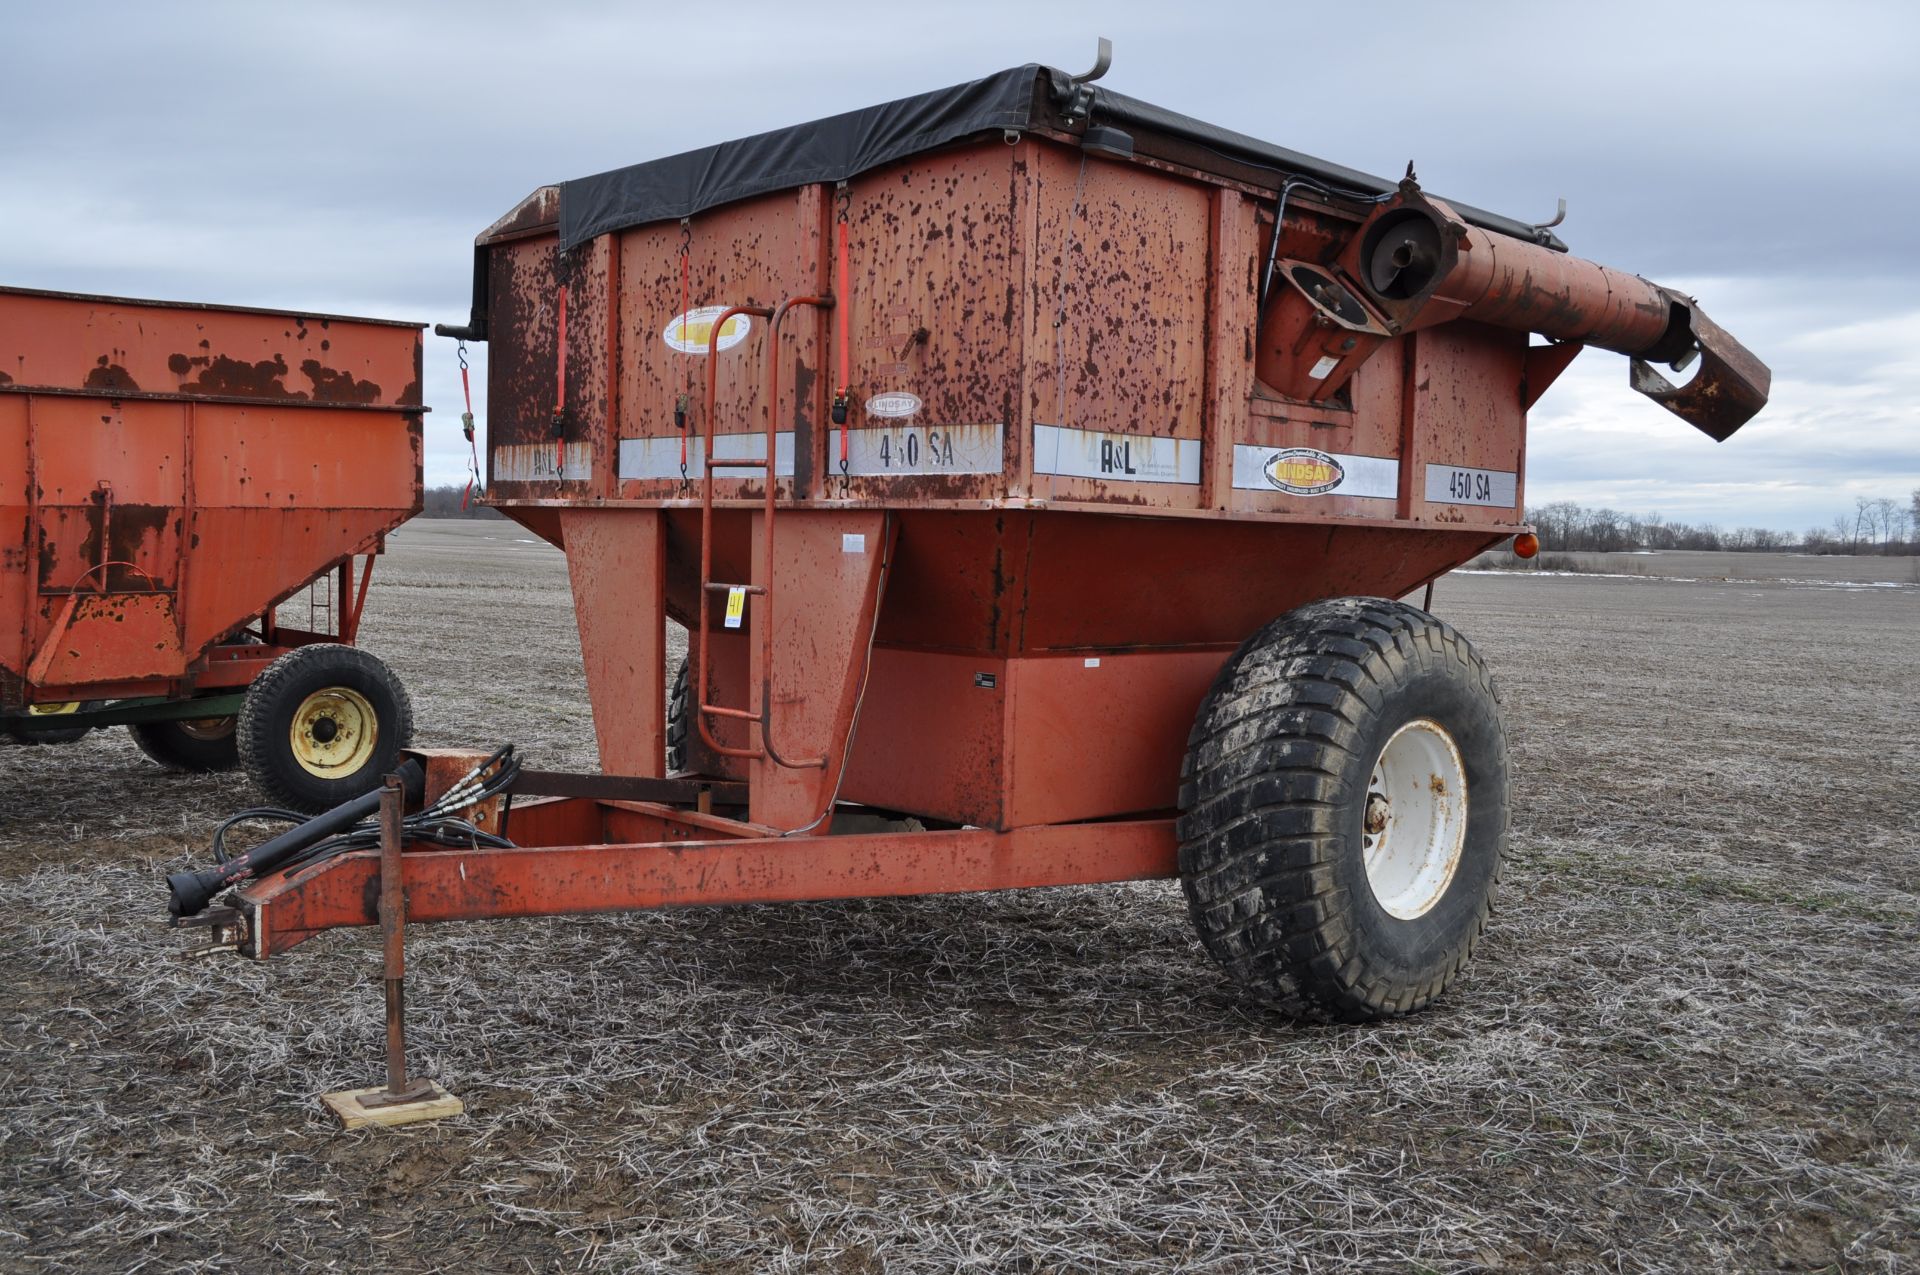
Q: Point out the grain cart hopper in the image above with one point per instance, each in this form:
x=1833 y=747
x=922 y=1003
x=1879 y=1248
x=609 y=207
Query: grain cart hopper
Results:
x=170 y=474
x=1040 y=464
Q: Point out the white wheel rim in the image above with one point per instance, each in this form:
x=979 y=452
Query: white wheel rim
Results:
x=1414 y=825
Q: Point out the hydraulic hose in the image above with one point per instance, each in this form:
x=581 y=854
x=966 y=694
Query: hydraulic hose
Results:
x=348 y=826
x=192 y=891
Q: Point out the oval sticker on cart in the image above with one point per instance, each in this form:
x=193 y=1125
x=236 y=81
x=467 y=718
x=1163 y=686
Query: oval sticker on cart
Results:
x=691 y=333
x=1302 y=471
x=895 y=405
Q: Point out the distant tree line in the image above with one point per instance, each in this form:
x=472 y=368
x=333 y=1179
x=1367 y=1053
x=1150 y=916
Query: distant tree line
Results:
x=1877 y=526
x=444 y=502
x=1882 y=526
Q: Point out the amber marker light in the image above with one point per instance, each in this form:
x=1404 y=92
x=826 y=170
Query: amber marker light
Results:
x=1526 y=545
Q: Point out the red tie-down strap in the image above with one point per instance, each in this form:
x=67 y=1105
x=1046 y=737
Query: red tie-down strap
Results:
x=843 y=315
x=466 y=427
x=686 y=302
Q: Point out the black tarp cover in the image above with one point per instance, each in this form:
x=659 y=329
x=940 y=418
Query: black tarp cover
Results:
x=843 y=146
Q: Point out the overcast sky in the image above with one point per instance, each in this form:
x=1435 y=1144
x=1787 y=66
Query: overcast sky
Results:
x=341 y=157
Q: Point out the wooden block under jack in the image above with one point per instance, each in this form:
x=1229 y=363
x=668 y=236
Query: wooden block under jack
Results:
x=437 y=1105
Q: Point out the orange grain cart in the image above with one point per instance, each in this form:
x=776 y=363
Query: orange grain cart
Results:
x=1040 y=464
x=170 y=474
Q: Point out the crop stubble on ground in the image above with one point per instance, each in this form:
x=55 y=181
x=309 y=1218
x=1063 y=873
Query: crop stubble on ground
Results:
x=1688 y=1044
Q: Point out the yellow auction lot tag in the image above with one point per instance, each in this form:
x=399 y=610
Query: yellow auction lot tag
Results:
x=736 y=605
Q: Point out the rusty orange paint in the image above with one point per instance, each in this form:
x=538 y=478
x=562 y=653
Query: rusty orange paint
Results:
x=454 y=885
x=614 y=561
x=1088 y=450
x=809 y=669
x=169 y=472
x=445 y=767
x=1044 y=739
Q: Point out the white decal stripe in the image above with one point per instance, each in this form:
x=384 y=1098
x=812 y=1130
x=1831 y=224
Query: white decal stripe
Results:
x=1460 y=485
x=659 y=457
x=902 y=449
x=1133 y=458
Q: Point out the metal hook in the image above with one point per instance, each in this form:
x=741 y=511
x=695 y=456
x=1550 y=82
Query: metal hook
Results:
x=1558 y=217
x=1079 y=94
x=1101 y=62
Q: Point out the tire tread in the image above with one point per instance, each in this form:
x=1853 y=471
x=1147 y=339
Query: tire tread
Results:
x=1264 y=898
x=267 y=758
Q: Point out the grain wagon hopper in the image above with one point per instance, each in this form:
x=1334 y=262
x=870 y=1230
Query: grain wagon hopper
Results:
x=170 y=474
x=1040 y=464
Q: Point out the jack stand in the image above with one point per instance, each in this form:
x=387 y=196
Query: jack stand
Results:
x=402 y=1101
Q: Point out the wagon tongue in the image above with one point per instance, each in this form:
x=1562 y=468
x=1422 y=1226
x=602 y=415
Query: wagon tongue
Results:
x=189 y=893
x=226 y=930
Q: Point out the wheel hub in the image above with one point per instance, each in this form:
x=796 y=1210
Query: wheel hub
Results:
x=1415 y=822
x=334 y=732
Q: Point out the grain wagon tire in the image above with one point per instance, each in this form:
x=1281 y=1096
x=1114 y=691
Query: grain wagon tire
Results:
x=677 y=718
x=322 y=724
x=1343 y=810
x=195 y=743
x=35 y=738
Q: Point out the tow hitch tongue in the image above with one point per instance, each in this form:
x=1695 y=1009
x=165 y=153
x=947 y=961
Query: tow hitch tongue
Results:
x=226 y=931
x=191 y=892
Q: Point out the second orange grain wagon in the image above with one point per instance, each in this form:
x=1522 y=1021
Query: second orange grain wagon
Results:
x=191 y=501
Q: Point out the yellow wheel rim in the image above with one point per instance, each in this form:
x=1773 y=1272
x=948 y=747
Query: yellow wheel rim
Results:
x=207 y=728
x=334 y=732
x=54 y=710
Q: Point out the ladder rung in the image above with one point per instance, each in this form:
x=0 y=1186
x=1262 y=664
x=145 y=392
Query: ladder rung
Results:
x=721 y=711
x=714 y=586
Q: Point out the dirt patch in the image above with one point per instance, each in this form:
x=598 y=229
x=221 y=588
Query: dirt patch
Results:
x=1689 y=1042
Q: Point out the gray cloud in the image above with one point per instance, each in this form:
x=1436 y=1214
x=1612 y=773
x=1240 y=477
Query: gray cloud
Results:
x=341 y=158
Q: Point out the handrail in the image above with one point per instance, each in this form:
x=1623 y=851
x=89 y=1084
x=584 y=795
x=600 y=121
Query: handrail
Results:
x=706 y=534
x=770 y=463
x=766 y=523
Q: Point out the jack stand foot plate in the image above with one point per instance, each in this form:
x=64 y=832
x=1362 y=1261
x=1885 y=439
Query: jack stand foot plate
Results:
x=436 y=1104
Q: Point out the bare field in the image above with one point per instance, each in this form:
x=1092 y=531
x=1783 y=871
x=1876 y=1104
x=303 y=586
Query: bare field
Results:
x=1802 y=570
x=1690 y=1042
